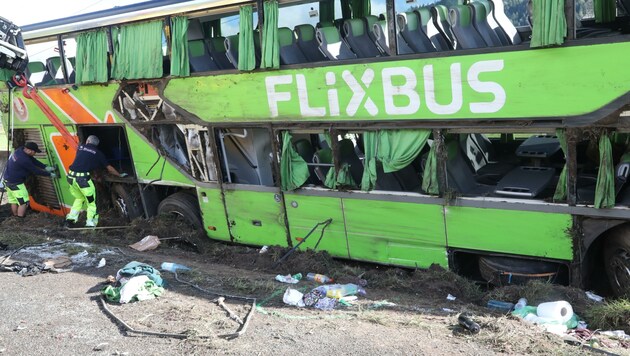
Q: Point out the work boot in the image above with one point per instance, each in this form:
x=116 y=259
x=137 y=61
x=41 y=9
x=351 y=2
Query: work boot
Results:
x=90 y=223
x=73 y=216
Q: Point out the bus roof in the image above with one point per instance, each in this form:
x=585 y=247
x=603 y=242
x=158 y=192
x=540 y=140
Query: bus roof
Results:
x=121 y=14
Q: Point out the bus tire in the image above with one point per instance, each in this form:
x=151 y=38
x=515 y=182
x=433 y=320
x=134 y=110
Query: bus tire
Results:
x=617 y=261
x=125 y=201
x=186 y=207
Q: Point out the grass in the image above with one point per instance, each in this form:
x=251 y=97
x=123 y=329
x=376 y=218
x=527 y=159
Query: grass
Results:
x=611 y=315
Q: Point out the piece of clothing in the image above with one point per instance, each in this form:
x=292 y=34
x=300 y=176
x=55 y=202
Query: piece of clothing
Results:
x=84 y=193
x=135 y=268
x=16 y=194
x=20 y=165
x=88 y=159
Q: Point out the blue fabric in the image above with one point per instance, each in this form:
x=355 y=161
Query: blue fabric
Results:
x=88 y=159
x=21 y=165
x=136 y=268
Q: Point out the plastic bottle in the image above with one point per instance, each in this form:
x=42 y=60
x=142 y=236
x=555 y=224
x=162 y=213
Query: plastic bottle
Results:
x=173 y=267
x=522 y=303
x=319 y=278
x=341 y=290
x=465 y=321
x=501 y=306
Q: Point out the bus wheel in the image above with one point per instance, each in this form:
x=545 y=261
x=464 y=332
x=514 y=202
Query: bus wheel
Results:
x=617 y=262
x=184 y=207
x=124 y=202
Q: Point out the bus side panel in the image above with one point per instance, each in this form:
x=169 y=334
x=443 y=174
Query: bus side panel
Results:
x=528 y=233
x=149 y=165
x=304 y=212
x=213 y=213
x=255 y=217
x=404 y=234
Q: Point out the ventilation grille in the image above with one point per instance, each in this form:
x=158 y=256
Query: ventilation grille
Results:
x=43 y=190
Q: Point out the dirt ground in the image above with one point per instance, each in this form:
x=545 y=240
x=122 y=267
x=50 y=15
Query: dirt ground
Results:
x=405 y=312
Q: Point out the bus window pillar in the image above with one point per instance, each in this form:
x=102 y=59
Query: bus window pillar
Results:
x=391 y=26
x=438 y=139
x=569 y=13
x=571 y=161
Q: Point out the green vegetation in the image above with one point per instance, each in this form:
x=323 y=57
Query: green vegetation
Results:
x=611 y=315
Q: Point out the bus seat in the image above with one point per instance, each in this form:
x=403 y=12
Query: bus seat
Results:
x=586 y=186
x=308 y=44
x=480 y=153
x=461 y=23
x=348 y=155
x=503 y=37
x=199 y=57
x=304 y=148
x=324 y=156
x=231 y=49
x=480 y=23
x=382 y=40
x=356 y=35
x=439 y=15
x=460 y=176
x=53 y=64
x=73 y=73
x=290 y=53
x=505 y=22
x=409 y=28
x=34 y=69
x=430 y=31
x=331 y=44
x=216 y=48
x=194 y=31
x=404 y=180
x=370 y=20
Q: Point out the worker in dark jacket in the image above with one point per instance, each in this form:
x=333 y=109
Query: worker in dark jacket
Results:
x=88 y=158
x=21 y=165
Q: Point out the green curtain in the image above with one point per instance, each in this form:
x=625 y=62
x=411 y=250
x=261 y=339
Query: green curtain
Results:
x=605 y=11
x=211 y=28
x=430 y=177
x=293 y=169
x=394 y=148
x=6 y=75
x=326 y=11
x=360 y=8
x=561 y=189
x=605 y=189
x=246 y=55
x=138 y=51
x=270 y=44
x=346 y=9
x=370 y=147
x=549 y=23
x=180 y=65
x=91 y=57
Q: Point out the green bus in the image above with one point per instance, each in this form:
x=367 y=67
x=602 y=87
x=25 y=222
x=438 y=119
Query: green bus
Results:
x=484 y=137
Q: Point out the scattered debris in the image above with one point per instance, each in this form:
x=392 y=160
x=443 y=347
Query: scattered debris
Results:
x=466 y=321
x=594 y=297
x=293 y=297
x=101 y=263
x=451 y=297
x=289 y=278
x=101 y=347
x=264 y=249
x=319 y=278
x=149 y=242
x=173 y=267
x=504 y=307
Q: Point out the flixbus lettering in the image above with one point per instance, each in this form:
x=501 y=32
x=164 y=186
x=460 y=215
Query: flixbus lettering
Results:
x=402 y=92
